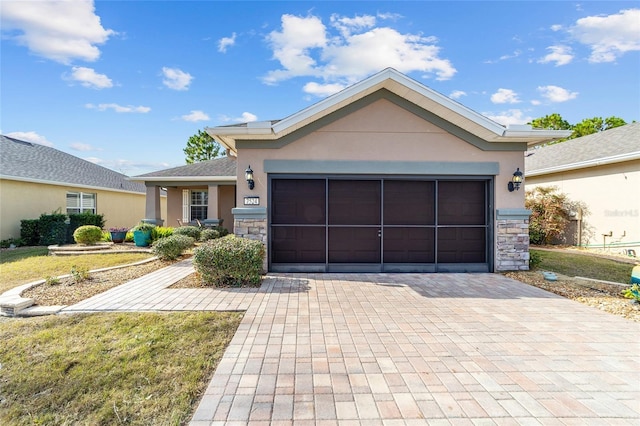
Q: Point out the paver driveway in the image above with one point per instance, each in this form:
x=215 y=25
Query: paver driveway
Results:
x=423 y=349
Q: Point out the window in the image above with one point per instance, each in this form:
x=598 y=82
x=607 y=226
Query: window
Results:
x=81 y=202
x=199 y=203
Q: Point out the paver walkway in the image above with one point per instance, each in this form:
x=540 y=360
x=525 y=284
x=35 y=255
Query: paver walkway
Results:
x=370 y=349
x=423 y=349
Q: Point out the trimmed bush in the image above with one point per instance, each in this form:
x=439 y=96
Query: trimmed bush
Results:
x=87 y=234
x=230 y=262
x=172 y=247
x=77 y=220
x=29 y=231
x=190 y=231
x=52 y=228
x=161 y=232
x=209 y=234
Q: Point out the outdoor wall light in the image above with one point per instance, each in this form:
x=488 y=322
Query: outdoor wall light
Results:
x=516 y=181
x=248 y=175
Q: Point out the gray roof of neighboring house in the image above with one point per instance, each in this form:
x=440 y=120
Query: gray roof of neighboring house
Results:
x=610 y=146
x=222 y=166
x=28 y=161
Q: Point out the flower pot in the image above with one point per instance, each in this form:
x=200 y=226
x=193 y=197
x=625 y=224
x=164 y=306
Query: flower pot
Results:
x=141 y=238
x=118 y=237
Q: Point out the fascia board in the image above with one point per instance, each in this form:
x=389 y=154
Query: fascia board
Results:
x=185 y=178
x=69 y=185
x=588 y=163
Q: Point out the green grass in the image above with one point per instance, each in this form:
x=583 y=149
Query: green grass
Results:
x=7 y=256
x=32 y=264
x=583 y=265
x=104 y=369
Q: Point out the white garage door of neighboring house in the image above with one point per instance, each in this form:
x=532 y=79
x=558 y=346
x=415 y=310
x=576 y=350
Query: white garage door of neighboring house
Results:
x=380 y=224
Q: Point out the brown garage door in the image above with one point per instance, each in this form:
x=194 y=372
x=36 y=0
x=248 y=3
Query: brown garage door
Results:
x=379 y=225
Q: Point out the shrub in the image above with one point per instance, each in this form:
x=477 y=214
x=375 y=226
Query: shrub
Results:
x=230 y=261
x=79 y=273
x=106 y=236
x=87 y=234
x=550 y=214
x=52 y=229
x=29 y=231
x=17 y=242
x=190 y=231
x=209 y=234
x=161 y=232
x=77 y=220
x=129 y=237
x=170 y=248
x=535 y=259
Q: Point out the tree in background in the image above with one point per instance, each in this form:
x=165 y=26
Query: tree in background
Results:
x=551 y=212
x=586 y=127
x=201 y=147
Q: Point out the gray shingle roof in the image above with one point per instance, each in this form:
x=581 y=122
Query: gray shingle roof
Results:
x=619 y=142
x=29 y=161
x=223 y=166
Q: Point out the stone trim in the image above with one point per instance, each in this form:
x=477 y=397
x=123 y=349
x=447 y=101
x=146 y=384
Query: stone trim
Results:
x=512 y=244
x=515 y=214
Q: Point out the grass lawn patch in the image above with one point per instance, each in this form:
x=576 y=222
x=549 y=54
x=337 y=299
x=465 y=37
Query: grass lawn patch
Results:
x=23 y=269
x=582 y=265
x=120 y=368
x=19 y=253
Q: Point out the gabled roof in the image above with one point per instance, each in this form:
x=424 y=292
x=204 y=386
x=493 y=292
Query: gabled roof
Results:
x=400 y=85
x=610 y=146
x=217 y=169
x=30 y=162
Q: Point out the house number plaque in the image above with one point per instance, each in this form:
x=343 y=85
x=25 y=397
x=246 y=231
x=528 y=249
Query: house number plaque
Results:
x=251 y=201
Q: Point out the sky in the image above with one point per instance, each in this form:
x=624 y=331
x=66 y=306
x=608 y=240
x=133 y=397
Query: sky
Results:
x=124 y=84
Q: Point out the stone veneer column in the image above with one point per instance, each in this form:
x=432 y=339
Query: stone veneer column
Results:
x=251 y=223
x=512 y=240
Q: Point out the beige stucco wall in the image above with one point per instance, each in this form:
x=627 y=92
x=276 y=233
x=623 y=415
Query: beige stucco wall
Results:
x=26 y=200
x=226 y=202
x=611 y=193
x=381 y=131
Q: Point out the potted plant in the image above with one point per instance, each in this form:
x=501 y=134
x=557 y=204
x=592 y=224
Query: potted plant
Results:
x=118 y=235
x=142 y=234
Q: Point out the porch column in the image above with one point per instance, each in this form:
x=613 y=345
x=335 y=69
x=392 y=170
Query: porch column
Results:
x=152 y=212
x=213 y=218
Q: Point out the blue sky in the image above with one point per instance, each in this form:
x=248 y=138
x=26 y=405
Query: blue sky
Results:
x=124 y=84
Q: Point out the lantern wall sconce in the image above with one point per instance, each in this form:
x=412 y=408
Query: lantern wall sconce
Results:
x=516 y=181
x=248 y=175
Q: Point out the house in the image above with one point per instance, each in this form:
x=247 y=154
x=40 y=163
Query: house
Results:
x=602 y=171
x=36 y=179
x=385 y=176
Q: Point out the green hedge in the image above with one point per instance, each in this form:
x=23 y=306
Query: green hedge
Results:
x=77 y=220
x=190 y=231
x=230 y=262
x=53 y=229
x=87 y=234
x=172 y=247
x=30 y=231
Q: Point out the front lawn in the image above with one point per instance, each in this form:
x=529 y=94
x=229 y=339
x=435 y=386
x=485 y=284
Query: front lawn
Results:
x=584 y=265
x=120 y=368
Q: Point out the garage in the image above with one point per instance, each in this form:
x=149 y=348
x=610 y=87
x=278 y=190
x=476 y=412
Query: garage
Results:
x=380 y=224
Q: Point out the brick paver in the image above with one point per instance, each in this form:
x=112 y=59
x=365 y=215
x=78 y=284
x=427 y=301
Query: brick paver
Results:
x=423 y=348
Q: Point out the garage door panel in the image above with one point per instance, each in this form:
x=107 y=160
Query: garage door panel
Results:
x=461 y=245
x=409 y=245
x=354 y=202
x=354 y=245
x=409 y=202
x=298 y=202
x=298 y=244
x=461 y=203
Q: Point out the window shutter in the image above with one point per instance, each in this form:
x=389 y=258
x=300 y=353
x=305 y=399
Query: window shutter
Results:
x=185 y=206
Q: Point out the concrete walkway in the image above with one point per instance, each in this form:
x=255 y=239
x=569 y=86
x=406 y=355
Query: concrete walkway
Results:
x=373 y=349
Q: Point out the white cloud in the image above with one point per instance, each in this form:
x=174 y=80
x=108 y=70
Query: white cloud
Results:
x=322 y=90
x=561 y=55
x=78 y=146
x=512 y=116
x=195 y=115
x=30 y=137
x=58 y=30
x=535 y=102
x=226 y=42
x=176 y=79
x=246 y=117
x=457 y=94
x=556 y=94
x=505 y=96
x=556 y=27
x=119 y=108
x=610 y=36
x=89 y=78
x=349 y=50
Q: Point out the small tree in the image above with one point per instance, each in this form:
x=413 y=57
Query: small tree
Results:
x=551 y=212
x=201 y=147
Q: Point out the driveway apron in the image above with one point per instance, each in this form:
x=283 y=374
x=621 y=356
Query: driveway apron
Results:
x=423 y=349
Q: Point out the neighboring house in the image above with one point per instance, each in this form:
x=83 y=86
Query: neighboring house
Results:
x=36 y=179
x=386 y=175
x=601 y=170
